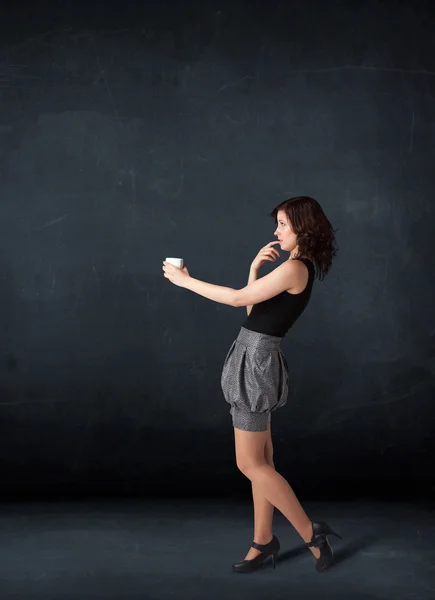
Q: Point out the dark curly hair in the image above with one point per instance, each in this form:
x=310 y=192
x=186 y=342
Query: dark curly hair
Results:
x=315 y=235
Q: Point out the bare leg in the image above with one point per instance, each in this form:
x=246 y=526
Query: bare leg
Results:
x=250 y=456
x=263 y=509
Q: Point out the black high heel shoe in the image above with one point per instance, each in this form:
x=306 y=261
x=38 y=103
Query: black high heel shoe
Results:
x=320 y=540
x=270 y=549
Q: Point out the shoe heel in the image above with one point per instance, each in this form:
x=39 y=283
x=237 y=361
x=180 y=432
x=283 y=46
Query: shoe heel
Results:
x=274 y=558
x=330 y=532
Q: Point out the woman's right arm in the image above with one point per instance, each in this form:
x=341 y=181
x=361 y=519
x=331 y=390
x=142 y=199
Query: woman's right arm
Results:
x=253 y=275
x=265 y=253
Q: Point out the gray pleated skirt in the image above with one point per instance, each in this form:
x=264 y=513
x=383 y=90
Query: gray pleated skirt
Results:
x=254 y=379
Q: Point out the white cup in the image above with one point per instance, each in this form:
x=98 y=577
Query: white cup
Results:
x=177 y=262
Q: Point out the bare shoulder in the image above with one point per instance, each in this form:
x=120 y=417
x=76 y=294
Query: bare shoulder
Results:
x=300 y=276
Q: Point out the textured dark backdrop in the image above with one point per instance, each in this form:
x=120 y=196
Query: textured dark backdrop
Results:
x=129 y=134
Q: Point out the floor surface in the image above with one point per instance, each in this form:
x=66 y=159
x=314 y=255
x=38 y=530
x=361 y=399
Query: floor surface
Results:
x=161 y=549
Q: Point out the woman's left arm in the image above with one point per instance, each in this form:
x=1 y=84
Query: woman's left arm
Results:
x=218 y=293
x=277 y=281
x=182 y=278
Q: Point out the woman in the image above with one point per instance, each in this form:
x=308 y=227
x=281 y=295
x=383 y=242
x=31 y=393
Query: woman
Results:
x=254 y=377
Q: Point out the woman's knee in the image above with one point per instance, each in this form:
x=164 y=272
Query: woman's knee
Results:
x=247 y=465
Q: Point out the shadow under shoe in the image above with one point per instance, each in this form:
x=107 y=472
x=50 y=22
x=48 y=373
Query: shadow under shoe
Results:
x=320 y=540
x=270 y=549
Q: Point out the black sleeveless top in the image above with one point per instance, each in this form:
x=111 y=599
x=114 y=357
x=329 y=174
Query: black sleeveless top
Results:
x=276 y=315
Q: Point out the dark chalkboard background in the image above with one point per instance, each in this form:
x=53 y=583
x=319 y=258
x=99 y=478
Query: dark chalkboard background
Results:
x=129 y=133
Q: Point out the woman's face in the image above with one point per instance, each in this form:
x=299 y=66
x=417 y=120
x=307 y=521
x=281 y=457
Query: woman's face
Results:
x=285 y=233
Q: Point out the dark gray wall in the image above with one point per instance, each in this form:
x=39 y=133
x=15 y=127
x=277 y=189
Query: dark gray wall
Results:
x=131 y=134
